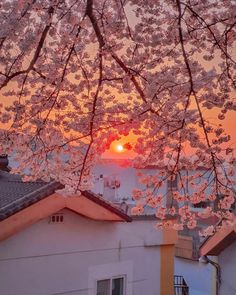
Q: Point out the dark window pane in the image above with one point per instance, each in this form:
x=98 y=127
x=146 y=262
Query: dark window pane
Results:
x=172 y=183
x=117 y=286
x=103 y=287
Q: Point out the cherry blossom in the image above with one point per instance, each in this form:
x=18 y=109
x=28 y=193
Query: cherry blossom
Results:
x=137 y=210
x=75 y=76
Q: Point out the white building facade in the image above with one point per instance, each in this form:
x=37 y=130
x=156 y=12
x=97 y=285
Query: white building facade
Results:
x=81 y=256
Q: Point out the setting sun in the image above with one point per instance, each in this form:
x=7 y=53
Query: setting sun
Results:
x=119 y=148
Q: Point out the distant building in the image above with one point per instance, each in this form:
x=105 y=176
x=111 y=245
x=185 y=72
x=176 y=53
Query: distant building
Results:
x=114 y=180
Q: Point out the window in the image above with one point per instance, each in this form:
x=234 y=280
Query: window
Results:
x=113 y=286
x=172 y=183
x=202 y=204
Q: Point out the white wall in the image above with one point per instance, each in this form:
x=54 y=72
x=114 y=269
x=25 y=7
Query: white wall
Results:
x=227 y=261
x=198 y=276
x=126 y=175
x=67 y=258
x=129 y=180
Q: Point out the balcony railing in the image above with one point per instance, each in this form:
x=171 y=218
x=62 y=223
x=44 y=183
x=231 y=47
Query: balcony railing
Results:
x=180 y=286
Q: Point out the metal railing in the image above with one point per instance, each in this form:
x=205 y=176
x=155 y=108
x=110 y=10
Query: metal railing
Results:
x=180 y=286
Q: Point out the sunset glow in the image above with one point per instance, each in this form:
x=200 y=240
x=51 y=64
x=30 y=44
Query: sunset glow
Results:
x=119 y=148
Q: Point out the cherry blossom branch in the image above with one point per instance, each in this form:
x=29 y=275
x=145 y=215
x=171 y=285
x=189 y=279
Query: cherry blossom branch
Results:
x=36 y=53
x=192 y=91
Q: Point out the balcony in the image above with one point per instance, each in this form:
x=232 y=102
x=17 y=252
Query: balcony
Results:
x=180 y=286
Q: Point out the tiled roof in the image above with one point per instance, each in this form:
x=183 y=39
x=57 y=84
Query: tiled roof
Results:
x=220 y=240
x=106 y=204
x=16 y=195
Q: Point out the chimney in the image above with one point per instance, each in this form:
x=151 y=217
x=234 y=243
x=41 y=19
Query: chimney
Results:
x=4 y=163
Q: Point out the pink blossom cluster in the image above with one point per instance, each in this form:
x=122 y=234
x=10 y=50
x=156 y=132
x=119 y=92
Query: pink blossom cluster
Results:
x=77 y=75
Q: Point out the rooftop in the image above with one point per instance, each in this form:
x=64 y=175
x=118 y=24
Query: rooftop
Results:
x=16 y=195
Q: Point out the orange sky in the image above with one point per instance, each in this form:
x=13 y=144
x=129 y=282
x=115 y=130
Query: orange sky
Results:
x=229 y=124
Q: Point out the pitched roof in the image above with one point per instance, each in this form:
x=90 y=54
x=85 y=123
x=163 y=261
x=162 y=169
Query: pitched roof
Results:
x=106 y=204
x=24 y=203
x=221 y=239
x=16 y=195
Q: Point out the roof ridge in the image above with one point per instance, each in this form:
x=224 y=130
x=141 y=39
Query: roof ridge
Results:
x=109 y=205
x=20 y=181
x=30 y=197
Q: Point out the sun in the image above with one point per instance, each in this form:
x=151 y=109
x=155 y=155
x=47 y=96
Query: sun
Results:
x=119 y=148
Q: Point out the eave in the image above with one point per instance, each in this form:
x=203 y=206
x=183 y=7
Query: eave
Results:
x=87 y=205
x=222 y=239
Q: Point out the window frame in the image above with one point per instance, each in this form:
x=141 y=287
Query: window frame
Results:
x=172 y=184
x=111 y=279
